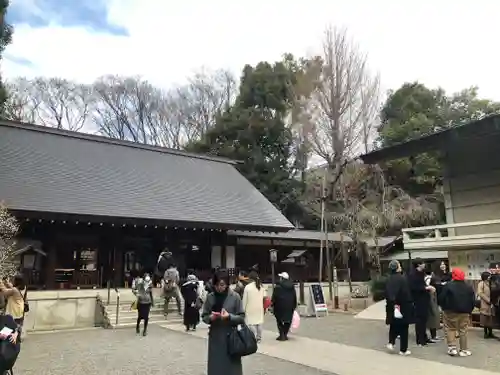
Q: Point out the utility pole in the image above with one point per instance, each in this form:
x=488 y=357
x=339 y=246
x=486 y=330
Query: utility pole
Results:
x=328 y=262
x=323 y=187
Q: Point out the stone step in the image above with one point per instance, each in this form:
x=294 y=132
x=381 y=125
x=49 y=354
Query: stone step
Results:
x=155 y=318
x=128 y=317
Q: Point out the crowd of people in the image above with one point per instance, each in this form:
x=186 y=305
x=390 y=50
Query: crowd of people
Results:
x=220 y=306
x=424 y=298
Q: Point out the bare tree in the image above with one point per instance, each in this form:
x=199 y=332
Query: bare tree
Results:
x=343 y=102
x=131 y=108
x=363 y=205
x=8 y=229
x=204 y=97
x=53 y=102
x=20 y=104
x=128 y=108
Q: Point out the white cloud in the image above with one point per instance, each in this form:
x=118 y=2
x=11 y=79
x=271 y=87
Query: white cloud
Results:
x=447 y=43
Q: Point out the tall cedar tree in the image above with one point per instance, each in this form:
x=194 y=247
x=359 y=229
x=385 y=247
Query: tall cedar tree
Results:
x=5 y=40
x=253 y=131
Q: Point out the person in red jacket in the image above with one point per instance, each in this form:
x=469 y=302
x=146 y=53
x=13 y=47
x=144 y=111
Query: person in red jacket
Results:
x=457 y=299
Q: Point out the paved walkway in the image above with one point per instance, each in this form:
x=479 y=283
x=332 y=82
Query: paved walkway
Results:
x=121 y=352
x=372 y=334
x=345 y=359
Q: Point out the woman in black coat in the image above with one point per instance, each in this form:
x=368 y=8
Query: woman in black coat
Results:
x=189 y=291
x=284 y=302
x=399 y=308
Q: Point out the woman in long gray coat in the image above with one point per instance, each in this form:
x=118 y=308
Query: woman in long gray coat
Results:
x=434 y=317
x=222 y=311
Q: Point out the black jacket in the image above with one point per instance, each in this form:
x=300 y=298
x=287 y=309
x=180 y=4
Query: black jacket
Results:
x=439 y=280
x=284 y=300
x=457 y=297
x=397 y=292
x=419 y=293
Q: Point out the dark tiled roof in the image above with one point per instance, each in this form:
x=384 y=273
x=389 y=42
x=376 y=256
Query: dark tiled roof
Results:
x=47 y=170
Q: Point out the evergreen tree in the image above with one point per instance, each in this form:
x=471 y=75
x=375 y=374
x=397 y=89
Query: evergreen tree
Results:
x=5 y=40
x=254 y=132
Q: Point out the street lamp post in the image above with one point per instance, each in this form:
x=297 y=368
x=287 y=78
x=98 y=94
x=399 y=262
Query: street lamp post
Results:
x=273 y=257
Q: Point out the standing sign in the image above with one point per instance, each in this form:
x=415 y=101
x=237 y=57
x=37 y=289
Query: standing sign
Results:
x=318 y=299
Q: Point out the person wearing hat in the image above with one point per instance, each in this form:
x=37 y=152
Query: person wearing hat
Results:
x=399 y=308
x=457 y=300
x=284 y=302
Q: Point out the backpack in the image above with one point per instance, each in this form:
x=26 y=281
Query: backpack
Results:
x=170 y=279
x=163 y=262
x=169 y=286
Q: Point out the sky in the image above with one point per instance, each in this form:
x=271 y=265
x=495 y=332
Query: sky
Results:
x=444 y=43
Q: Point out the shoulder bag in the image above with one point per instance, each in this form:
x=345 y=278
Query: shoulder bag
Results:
x=241 y=341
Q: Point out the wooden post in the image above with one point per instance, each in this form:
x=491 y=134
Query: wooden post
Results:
x=50 y=274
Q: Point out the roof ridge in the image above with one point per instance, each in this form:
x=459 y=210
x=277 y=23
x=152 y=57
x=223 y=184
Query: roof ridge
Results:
x=107 y=140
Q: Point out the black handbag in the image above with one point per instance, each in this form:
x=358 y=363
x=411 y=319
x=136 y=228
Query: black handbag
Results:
x=241 y=341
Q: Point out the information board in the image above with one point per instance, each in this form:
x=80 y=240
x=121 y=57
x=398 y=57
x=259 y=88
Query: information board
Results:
x=318 y=299
x=473 y=263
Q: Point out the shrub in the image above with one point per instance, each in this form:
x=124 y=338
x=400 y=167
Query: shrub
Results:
x=377 y=288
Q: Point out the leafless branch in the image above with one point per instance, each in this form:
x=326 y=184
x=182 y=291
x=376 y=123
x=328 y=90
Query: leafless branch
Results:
x=53 y=102
x=344 y=102
x=362 y=204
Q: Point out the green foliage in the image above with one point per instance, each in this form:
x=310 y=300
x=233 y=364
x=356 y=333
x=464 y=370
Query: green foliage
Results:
x=377 y=288
x=254 y=132
x=5 y=39
x=415 y=110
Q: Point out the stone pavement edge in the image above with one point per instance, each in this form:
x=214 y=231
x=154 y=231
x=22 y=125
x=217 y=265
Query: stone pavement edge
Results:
x=344 y=359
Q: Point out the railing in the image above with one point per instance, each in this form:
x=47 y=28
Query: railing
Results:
x=117 y=306
x=444 y=235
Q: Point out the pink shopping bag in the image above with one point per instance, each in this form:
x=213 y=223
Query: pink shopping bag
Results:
x=295 y=321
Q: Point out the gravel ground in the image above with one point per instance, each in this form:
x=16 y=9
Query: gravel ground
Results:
x=121 y=352
x=345 y=329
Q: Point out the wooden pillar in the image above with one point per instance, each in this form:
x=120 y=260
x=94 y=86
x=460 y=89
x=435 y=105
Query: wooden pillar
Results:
x=117 y=266
x=223 y=250
x=50 y=274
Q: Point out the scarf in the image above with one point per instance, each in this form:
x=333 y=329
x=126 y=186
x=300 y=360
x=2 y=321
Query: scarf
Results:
x=220 y=298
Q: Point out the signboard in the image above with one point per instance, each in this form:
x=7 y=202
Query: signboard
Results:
x=318 y=299
x=473 y=263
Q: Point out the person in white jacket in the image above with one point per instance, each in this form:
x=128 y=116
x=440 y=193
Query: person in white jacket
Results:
x=253 y=304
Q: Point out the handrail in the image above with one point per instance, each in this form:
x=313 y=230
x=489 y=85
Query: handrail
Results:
x=452 y=226
x=117 y=305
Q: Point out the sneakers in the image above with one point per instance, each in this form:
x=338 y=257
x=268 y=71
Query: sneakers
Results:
x=452 y=351
x=405 y=353
x=464 y=353
x=390 y=347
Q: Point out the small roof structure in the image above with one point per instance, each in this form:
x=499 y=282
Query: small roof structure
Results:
x=487 y=128
x=296 y=234
x=381 y=242
x=403 y=255
x=46 y=170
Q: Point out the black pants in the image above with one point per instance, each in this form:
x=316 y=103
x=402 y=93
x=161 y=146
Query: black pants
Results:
x=433 y=332
x=399 y=329
x=421 y=329
x=143 y=314
x=283 y=328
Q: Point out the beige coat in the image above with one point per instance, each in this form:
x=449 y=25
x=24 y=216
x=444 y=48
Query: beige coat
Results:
x=253 y=304
x=483 y=291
